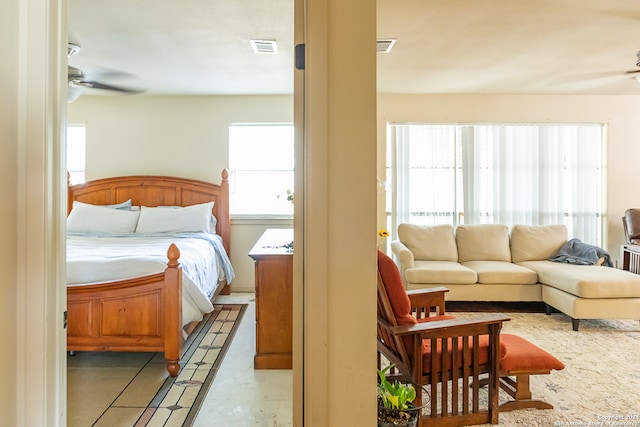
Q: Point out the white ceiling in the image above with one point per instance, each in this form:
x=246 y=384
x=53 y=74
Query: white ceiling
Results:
x=443 y=46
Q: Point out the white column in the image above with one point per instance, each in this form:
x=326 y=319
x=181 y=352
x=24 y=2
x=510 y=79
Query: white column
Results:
x=339 y=219
x=33 y=365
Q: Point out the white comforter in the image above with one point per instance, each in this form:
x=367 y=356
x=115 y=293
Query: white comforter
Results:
x=95 y=258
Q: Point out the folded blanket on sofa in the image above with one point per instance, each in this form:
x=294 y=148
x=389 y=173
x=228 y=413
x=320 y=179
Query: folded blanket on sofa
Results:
x=577 y=252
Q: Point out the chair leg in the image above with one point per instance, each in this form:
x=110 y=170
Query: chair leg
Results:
x=521 y=392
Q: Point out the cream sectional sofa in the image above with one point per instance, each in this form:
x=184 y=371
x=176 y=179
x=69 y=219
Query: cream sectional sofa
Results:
x=488 y=263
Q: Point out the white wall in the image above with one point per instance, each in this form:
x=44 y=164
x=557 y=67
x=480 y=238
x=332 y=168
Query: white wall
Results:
x=188 y=136
x=338 y=219
x=620 y=113
x=172 y=135
x=32 y=294
x=185 y=136
x=9 y=131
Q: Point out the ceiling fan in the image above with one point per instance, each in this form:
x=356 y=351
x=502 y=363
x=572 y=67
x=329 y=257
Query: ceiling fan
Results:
x=637 y=64
x=78 y=80
x=619 y=79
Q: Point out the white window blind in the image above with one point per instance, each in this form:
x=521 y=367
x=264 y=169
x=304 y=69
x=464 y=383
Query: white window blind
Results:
x=507 y=174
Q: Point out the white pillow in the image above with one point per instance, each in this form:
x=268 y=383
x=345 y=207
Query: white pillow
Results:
x=85 y=218
x=429 y=242
x=123 y=206
x=180 y=219
x=535 y=243
x=213 y=221
x=483 y=242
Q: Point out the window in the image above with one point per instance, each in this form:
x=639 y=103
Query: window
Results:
x=261 y=163
x=507 y=174
x=76 y=140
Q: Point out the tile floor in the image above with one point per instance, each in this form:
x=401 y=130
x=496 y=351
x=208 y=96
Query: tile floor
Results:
x=91 y=389
x=239 y=396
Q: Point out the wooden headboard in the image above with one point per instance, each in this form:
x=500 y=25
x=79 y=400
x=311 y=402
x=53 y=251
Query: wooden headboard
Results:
x=151 y=190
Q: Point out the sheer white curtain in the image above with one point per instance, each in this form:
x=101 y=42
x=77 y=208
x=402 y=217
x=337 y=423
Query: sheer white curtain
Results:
x=515 y=172
x=423 y=177
x=507 y=174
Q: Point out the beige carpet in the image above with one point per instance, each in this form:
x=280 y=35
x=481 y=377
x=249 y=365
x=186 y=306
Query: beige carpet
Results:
x=600 y=384
x=134 y=389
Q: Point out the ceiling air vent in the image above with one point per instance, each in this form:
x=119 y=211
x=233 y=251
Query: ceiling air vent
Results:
x=384 y=46
x=264 y=46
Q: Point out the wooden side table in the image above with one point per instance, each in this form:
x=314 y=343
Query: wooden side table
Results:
x=274 y=299
x=630 y=255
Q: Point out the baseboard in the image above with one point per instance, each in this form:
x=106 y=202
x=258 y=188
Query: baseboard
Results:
x=497 y=306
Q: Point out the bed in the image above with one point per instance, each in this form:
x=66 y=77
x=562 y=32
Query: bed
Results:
x=141 y=312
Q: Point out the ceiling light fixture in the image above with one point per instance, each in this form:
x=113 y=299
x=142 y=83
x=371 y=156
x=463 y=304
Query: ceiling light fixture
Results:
x=269 y=47
x=72 y=49
x=384 y=45
x=73 y=92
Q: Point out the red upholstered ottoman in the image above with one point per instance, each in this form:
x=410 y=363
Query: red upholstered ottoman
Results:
x=522 y=359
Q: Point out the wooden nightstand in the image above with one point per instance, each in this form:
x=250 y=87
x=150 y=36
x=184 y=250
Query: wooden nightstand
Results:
x=274 y=299
x=630 y=255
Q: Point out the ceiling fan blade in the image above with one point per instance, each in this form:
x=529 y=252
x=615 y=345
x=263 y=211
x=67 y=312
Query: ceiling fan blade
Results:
x=78 y=79
x=98 y=74
x=102 y=86
x=633 y=71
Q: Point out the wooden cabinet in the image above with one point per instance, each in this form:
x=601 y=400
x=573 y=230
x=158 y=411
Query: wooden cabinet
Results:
x=274 y=299
x=630 y=255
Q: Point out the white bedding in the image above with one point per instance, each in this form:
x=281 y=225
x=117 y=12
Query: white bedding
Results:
x=93 y=258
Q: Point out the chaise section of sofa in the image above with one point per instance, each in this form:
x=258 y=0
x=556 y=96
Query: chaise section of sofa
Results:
x=580 y=291
x=488 y=263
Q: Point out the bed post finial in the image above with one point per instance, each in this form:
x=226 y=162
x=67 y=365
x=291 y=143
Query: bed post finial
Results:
x=225 y=175
x=173 y=253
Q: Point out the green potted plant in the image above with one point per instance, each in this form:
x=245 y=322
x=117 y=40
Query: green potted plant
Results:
x=395 y=402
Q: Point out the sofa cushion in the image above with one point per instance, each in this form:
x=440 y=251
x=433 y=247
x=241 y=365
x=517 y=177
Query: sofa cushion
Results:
x=586 y=281
x=440 y=272
x=483 y=242
x=502 y=272
x=431 y=359
x=521 y=355
x=534 y=243
x=431 y=242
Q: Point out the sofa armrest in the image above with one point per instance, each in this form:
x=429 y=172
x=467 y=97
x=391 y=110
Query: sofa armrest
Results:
x=403 y=254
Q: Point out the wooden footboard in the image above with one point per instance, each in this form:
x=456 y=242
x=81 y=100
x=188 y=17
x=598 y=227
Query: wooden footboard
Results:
x=141 y=314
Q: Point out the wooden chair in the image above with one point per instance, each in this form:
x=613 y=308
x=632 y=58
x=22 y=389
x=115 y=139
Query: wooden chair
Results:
x=445 y=356
x=631 y=226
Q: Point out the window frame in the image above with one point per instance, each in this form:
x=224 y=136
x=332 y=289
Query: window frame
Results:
x=281 y=196
x=70 y=151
